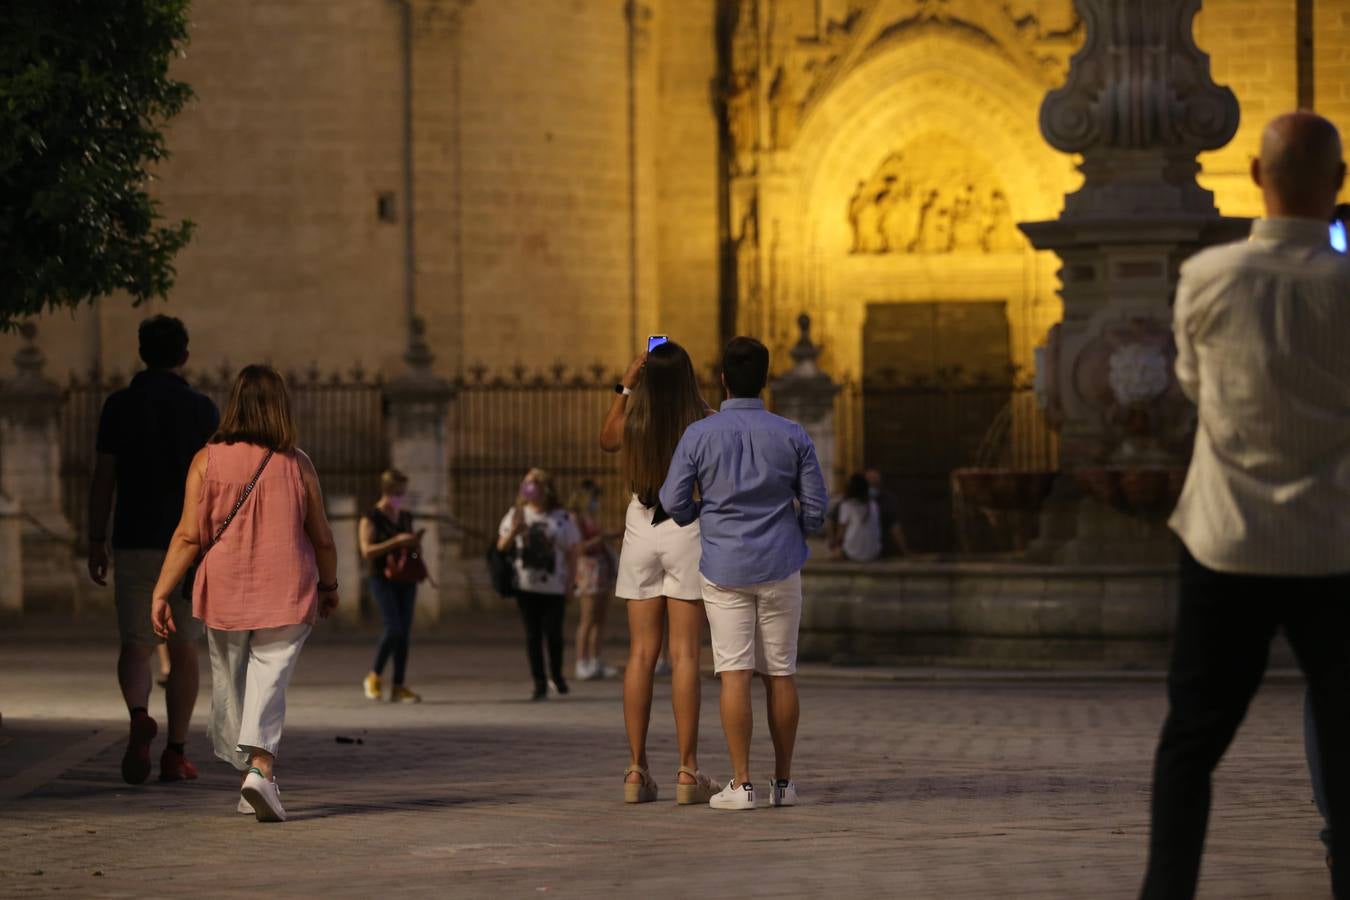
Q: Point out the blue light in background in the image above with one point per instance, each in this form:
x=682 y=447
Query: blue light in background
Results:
x=1338 y=241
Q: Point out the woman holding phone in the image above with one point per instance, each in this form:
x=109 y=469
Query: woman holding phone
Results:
x=385 y=530
x=658 y=565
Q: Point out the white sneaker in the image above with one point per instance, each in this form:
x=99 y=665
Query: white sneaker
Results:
x=784 y=794
x=264 y=797
x=734 y=796
x=243 y=808
x=605 y=670
x=585 y=669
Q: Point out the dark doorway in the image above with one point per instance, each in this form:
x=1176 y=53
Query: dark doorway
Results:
x=935 y=378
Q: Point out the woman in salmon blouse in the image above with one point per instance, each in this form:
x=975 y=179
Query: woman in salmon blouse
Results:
x=254 y=516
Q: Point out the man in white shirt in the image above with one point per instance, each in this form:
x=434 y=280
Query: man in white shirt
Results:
x=1263 y=348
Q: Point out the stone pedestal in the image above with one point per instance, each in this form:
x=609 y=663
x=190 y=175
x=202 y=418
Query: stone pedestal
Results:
x=1139 y=106
x=806 y=395
x=344 y=518
x=11 y=559
x=30 y=474
x=418 y=403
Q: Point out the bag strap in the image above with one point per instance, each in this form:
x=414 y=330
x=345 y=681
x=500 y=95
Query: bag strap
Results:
x=248 y=489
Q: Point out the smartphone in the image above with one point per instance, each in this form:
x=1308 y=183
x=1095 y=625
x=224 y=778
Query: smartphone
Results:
x=1339 y=241
x=656 y=340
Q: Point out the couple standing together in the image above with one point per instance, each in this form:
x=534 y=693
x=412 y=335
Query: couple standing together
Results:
x=722 y=503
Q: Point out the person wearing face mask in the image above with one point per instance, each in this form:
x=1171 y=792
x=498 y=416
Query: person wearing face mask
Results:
x=596 y=573
x=546 y=541
x=386 y=528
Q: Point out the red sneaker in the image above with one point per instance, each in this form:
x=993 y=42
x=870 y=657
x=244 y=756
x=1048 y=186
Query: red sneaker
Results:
x=175 y=767
x=136 y=761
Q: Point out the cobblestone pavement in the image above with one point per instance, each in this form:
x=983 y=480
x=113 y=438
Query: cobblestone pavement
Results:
x=950 y=785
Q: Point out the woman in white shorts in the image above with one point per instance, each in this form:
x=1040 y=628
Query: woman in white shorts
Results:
x=658 y=565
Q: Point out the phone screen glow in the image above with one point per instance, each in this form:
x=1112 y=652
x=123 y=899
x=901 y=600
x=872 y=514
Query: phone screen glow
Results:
x=655 y=341
x=1338 y=236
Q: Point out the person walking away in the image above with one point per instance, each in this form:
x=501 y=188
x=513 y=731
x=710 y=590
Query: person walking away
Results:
x=1264 y=515
x=385 y=530
x=254 y=523
x=658 y=565
x=148 y=434
x=546 y=542
x=855 y=534
x=762 y=494
x=596 y=572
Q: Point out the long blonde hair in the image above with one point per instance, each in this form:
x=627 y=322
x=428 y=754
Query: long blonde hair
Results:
x=665 y=402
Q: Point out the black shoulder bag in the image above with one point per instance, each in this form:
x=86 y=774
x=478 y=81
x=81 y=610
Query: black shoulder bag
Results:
x=191 y=576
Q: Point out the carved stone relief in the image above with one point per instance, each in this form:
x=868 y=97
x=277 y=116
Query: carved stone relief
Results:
x=934 y=196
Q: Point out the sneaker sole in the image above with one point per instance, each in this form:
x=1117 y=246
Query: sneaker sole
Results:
x=261 y=808
x=731 y=808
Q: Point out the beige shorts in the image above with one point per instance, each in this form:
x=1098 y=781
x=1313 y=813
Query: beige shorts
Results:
x=134 y=575
x=755 y=627
x=660 y=561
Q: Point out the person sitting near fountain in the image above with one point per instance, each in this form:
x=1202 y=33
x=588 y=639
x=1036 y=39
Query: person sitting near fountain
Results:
x=1264 y=515
x=855 y=530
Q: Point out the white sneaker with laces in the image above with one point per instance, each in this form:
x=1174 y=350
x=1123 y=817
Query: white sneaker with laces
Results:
x=784 y=793
x=264 y=796
x=734 y=796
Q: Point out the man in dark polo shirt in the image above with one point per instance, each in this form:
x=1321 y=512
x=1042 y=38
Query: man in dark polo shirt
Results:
x=147 y=437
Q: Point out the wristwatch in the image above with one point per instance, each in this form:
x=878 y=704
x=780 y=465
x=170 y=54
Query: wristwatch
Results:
x=620 y=388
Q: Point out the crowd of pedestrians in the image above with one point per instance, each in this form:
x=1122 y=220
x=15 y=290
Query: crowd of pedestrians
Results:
x=219 y=528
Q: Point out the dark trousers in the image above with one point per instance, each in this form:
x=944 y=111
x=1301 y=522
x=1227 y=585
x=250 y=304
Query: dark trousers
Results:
x=396 y=603
x=543 y=618
x=1225 y=624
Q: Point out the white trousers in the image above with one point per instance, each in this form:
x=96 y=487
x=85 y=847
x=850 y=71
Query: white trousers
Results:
x=249 y=674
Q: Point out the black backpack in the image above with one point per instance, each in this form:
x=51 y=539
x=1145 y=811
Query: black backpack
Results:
x=502 y=569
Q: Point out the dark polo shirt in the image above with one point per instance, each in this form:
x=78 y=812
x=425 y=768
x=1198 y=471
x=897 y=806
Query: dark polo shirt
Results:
x=153 y=428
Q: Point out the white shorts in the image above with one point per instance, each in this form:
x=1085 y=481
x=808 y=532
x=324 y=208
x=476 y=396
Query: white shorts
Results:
x=755 y=627
x=660 y=561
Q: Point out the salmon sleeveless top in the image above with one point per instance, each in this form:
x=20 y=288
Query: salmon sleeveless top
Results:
x=262 y=574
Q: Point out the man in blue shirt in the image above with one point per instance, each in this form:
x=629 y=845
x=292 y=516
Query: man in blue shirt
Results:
x=761 y=493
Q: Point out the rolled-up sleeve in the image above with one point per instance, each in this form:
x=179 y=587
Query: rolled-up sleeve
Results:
x=677 y=494
x=811 y=493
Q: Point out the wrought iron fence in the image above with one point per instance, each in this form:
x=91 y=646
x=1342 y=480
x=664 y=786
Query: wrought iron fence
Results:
x=340 y=419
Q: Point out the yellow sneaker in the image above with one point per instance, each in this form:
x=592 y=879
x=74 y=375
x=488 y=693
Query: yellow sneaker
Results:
x=403 y=695
x=374 y=689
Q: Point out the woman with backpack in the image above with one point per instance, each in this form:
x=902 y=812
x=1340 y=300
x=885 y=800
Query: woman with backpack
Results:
x=658 y=566
x=387 y=541
x=545 y=541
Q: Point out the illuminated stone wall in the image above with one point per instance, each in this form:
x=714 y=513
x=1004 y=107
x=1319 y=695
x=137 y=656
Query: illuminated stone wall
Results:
x=567 y=191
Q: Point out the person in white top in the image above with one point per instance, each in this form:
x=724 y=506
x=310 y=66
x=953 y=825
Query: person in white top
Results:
x=855 y=531
x=1263 y=348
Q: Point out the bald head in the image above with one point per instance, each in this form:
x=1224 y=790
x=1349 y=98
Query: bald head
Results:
x=1300 y=171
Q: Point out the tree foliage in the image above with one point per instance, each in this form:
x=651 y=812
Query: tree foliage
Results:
x=84 y=89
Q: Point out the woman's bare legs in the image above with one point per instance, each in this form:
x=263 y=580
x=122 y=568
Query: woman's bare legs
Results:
x=600 y=612
x=586 y=627
x=686 y=632
x=646 y=625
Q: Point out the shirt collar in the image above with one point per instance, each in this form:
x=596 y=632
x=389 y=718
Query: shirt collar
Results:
x=1291 y=230
x=743 y=403
x=152 y=374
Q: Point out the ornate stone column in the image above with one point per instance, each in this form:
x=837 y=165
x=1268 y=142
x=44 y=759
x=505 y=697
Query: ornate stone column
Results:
x=30 y=475
x=1139 y=105
x=806 y=395
x=418 y=403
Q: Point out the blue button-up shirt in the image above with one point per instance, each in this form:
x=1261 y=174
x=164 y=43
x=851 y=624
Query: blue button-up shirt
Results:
x=762 y=493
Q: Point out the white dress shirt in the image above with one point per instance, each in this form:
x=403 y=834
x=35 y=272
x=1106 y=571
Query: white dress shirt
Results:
x=1263 y=349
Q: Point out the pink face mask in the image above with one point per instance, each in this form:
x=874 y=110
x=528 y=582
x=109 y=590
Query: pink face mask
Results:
x=531 y=492
x=396 y=502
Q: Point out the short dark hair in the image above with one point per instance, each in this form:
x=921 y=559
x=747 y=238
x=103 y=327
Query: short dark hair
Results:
x=164 y=342
x=745 y=366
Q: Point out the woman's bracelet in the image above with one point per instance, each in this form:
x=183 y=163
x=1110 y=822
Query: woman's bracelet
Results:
x=327 y=588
